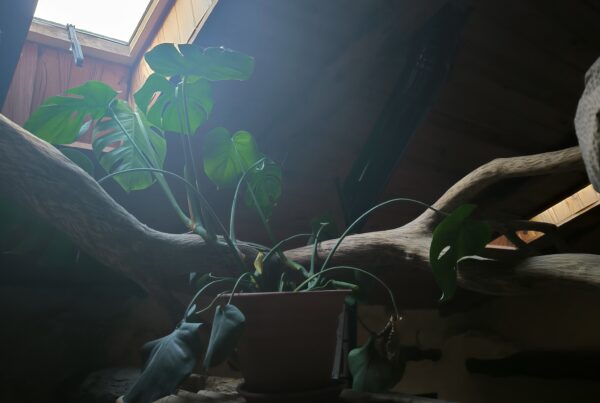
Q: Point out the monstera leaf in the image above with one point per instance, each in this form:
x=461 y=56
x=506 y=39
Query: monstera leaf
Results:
x=169 y=361
x=265 y=182
x=168 y=105
x=212 y=63
x=454 y=238
x=135 y=142
x=182 y=104
x=227 y=328
x=227 y=157
x=60 y=118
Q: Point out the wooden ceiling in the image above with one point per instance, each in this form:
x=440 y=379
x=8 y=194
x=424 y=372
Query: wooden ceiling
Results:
x=513 y=90
x=324 y=71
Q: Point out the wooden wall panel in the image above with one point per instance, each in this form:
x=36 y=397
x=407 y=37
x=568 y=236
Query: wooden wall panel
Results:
x=45 y=71
x=181 y=25
x=17 y=105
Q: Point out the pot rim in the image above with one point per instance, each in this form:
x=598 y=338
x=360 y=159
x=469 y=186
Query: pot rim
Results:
x=283 y=293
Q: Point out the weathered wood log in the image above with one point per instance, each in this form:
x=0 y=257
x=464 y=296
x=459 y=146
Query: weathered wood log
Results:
x=534 y=274
x=567 y=160
x=36 y=175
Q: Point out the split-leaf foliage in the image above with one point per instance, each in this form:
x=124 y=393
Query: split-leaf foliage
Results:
x=129 y=143
x=456 y=237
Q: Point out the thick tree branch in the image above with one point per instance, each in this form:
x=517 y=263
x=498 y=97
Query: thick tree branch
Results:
x=534 y=274
x=466 y=189
x=411 y=242
x=35 y=174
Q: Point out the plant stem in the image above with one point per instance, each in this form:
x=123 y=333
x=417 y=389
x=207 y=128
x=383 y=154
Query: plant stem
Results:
x=261 y=215
x=211 y=303
x=395 y=307
x=236 y=285
x=265 y=222
x=281 y=243
x=200 y=197
x=200 y=293
x=365 y=214
x=190 y=164
x=161 y=180
x=235 y=198
x=314 y=252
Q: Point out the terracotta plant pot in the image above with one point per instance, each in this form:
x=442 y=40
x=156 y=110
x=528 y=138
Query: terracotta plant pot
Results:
x=289 y=340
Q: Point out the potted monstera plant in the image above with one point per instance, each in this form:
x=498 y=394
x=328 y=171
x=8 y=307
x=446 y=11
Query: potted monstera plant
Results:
x=282 y=316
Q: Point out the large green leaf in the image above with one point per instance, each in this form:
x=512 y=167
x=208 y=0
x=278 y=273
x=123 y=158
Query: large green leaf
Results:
x=166 y=60
x=265 y=182
x=227 y=328
x=168 y=105
x=212 y=63
x=153 y=96
x=135 y=142
x=217 y=63
x=59 y=119
x=169 y=361
x=227 y=157
x=370 y=371
x=455 y=237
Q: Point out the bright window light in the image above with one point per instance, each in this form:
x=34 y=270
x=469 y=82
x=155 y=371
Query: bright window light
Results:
x=115 y=19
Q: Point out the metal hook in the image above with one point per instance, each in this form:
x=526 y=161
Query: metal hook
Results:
x=75 y=46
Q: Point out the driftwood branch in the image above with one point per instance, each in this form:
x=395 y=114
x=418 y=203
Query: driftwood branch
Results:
x=534 y=274
x=401 y=255
x=465 y=190
x=35 y=174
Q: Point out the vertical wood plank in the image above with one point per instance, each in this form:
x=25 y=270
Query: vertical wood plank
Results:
x=179 y=26
x=199 y=9
x=45 y=71
x=588 y=195
x=17 y=105
x=185 y=19
x=170 y=28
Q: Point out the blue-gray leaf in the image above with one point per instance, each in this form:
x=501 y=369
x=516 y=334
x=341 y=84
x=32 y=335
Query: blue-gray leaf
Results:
x=227 y=328
x=169 y=361
x=370 y=371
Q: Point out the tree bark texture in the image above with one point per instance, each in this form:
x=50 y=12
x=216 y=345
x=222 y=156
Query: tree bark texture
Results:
x=36 y=175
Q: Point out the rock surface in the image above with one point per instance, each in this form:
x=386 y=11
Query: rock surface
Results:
x=108 y=385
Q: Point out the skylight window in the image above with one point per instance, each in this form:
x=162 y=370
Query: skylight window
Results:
x=116 y=19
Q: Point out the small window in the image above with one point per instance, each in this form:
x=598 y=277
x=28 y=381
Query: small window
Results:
x=114 y=19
